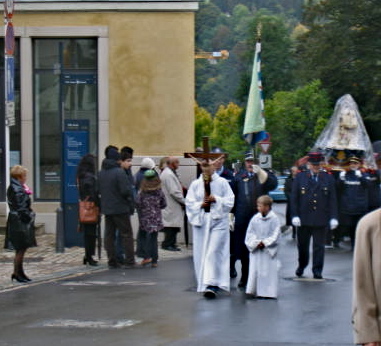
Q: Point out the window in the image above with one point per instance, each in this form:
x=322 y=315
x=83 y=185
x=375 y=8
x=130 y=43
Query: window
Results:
x=65 y=87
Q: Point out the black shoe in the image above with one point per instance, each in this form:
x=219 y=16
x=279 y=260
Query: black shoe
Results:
x=242 y=284
x=169 y=248
x=113 y=265
x=90 y=261
x=233 y=273
x=210 y=292
x=299 y=273
x=318 y=276
x=130 y=265
x=24 y=276
x=18 y=278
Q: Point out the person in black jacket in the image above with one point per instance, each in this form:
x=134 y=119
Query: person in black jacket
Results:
x=20 y=223
x=249 y=184
x=88 y=190
x=353 y=198
x=117 y=206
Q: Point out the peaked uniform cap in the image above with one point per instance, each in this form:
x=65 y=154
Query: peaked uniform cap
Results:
x=315 y=157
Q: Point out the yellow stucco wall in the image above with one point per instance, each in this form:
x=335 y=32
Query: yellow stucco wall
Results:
x=151 y=75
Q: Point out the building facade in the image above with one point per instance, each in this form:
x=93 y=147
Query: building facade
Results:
x=127 y=67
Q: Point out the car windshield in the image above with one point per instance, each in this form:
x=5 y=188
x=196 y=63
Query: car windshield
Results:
x=281 y=181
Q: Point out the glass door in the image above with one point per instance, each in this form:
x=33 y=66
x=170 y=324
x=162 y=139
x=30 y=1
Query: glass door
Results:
x=65 y=87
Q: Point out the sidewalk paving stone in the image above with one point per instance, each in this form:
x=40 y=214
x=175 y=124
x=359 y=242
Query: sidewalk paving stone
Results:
x=42 y=263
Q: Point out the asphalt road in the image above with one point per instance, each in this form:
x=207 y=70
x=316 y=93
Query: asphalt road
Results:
x=160 y=307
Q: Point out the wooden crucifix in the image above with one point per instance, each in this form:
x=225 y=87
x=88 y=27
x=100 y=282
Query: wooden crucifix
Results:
x=205 y=154
x=208 y=156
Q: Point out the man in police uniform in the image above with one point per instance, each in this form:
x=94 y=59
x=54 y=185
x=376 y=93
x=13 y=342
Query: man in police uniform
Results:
x=313 y=210
x=249 y=184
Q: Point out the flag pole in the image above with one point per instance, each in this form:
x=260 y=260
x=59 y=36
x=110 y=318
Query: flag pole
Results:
x=259 y=36
x=254 y=125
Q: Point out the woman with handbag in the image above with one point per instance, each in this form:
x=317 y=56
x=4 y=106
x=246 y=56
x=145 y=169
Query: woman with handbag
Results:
x=20 y=223
x=89 y=199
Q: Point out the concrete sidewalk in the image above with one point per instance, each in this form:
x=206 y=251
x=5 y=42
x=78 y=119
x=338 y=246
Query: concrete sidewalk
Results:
x=42 y=263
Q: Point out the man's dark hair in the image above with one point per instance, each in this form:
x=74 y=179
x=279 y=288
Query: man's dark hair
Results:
x=126 y=153
x=107 y=149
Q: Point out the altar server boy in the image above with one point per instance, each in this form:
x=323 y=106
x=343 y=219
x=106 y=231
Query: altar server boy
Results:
x=262 y=242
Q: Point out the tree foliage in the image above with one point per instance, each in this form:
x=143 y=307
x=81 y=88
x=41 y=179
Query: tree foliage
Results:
x=336 y=42
x=276 y=56
x=295 y=120
x=227 y=80
x=203 y=124
x=342 y=48
x=227 y=131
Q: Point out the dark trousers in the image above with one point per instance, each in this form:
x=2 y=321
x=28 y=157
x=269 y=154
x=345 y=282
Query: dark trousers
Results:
x=89 y=237
x=140 y=239
x=121 y=222
x=318 y=235
x=170 y=234
x=245 y=267
x=119 y=248
x=352 y=228
x=149 y=245
x=348 y=225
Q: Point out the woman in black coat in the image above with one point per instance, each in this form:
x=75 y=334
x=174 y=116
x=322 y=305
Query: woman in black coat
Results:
x=88 y=189
x=20 y=224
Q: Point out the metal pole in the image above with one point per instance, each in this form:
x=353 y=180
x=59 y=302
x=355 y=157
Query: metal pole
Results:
x=9 y=44
x=60 y=235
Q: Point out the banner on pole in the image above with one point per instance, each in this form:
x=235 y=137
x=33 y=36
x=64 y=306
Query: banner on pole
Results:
x=9 y=62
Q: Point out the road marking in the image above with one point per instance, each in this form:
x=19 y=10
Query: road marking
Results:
x=102 y=324
x=307 y=279
x=108 y=283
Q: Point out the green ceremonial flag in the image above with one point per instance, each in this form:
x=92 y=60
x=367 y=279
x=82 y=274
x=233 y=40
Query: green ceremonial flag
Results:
x=254 y=128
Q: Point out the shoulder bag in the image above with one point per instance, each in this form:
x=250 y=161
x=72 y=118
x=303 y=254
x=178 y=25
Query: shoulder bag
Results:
x=88 y=211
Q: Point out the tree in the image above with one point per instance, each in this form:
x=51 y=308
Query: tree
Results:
x=227 y=131
x=203 y=124
x=342 y=48
x=277 y=58
x=207 y=19
x=295 y=119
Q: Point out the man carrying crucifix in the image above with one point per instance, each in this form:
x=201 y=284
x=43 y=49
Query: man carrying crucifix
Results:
x=208 y=203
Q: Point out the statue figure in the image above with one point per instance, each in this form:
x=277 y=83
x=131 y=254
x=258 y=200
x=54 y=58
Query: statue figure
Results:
x=345 y=135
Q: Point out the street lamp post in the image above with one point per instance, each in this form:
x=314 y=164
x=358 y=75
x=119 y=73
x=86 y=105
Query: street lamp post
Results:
x=9 y=68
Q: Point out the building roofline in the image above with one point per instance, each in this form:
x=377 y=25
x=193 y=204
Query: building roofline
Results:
x=113 y=6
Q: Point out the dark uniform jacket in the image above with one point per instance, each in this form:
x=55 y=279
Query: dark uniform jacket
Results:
x=315 y=203
x=115 y=189
x=353 y=192
x=228 y=175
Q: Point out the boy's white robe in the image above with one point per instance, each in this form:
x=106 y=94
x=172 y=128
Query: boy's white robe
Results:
x=211 y=254
x=263 y=268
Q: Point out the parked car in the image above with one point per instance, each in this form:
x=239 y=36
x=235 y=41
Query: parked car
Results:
x=278 y=194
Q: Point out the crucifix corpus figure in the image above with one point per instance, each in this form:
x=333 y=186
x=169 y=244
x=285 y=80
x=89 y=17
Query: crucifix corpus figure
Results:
x=208 y=203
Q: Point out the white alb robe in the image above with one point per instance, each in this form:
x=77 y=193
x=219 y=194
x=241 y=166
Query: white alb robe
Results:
x=211 y=254
x=263 y=267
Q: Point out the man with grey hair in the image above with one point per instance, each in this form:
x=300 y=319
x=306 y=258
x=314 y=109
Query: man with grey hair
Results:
x=173 y=215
